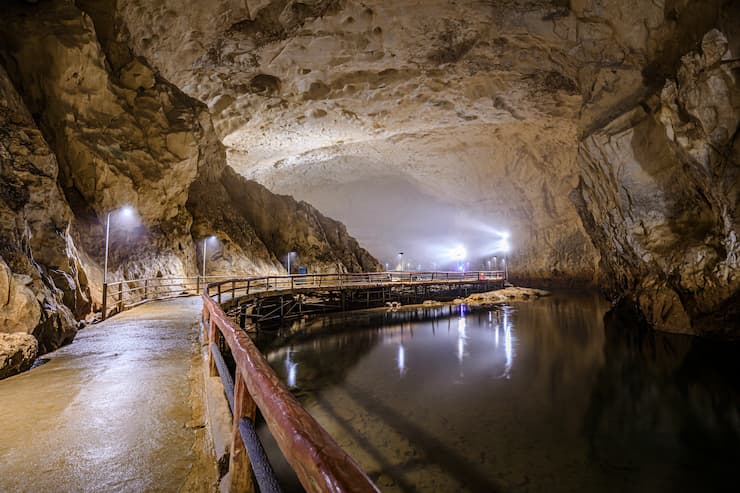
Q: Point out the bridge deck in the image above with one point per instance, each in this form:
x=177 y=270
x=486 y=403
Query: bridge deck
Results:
x=108 y=412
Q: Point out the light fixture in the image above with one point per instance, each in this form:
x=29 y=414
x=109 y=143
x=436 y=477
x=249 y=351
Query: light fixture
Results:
x=127 y=212
x=205 y=250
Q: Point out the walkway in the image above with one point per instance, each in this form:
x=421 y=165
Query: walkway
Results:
x=110 y=412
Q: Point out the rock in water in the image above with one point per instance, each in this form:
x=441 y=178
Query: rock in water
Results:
x=17 y=353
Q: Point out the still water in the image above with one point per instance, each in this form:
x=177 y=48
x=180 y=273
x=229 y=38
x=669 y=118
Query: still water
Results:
x=540 y=396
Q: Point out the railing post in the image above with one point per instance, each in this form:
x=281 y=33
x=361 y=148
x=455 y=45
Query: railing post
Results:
x=291 y=283
x=248 y=286
x=240 y=471
x=197 y=284
x=233 y=289
x=213 y=336
x=146 y=289
x=105 y=300
x=120 y=297
x=219 y=293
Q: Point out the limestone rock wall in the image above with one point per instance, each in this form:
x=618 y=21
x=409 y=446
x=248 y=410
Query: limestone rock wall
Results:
x=659 y=194
x=550 y=119
x=118 y=134
x=602 y=134
x=40 y=281
x=472 y=104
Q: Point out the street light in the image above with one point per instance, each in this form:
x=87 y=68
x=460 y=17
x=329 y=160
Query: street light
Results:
x=290 y=254
x=128 y=212
x=205 y=252
x=400 y=260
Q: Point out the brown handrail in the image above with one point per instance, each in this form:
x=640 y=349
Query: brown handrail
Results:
x=319 y=462
x=128 y=293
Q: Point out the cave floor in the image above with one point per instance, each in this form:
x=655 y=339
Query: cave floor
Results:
x=110 y=412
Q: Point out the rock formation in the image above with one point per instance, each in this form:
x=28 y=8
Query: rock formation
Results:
x=119 y=134
x=658 y=193
x=550 y=118
x=601 y=133
x=40 y=279
x=17 y=353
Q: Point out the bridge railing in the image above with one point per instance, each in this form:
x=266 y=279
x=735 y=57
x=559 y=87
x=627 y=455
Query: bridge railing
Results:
x=122 y=295
x=319 y=462
x=233 y=288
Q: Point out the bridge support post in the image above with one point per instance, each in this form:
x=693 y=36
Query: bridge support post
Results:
x=240 y=469
x=243 y=316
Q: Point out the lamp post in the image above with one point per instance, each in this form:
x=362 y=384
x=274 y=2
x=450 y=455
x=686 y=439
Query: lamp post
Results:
x=290 y=254
x=126 y=211
x=205 y=253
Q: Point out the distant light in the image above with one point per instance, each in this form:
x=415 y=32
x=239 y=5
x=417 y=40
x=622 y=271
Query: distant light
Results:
x=459 y=252
x=127 y=211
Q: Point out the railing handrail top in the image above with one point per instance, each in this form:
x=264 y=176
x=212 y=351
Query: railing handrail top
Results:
x=281 y=409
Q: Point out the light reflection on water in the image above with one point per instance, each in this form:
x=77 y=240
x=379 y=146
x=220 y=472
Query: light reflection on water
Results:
x=536 y=396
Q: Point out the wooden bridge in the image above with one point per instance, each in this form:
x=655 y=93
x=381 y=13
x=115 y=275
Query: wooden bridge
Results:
x=231 y=307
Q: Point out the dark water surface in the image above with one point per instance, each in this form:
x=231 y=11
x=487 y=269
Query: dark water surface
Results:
x=540 y=396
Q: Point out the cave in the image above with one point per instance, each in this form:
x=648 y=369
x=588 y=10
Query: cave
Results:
x=447 y=151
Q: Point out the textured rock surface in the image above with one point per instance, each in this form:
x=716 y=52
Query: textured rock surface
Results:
x=38 y=268
x=17 y=353
x=601 y=133
x=550 y=119
x=119 y=134
x=659 y=193
x=341 y=102
x=512 y=293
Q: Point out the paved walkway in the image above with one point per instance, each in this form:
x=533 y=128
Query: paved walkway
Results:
x=109 y=412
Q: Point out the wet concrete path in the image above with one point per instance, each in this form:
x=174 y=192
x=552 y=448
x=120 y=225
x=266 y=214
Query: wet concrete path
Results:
x=110 y=412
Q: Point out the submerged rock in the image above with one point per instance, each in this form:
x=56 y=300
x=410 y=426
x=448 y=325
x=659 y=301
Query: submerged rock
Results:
x=512 y=293
x=17 y=353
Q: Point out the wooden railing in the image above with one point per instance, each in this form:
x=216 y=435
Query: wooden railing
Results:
x=233 y=288
x=319 y=462
x=122 y=295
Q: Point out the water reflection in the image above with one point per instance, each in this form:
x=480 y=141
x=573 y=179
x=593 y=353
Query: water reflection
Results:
x=290 y=368
x=401 y=360
x=533 y=396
